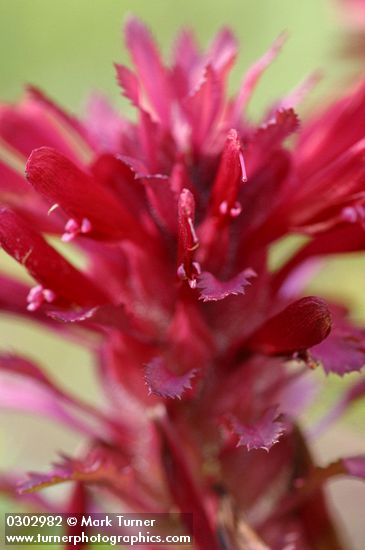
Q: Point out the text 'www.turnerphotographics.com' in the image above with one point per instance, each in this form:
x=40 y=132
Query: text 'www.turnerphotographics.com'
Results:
x=107 y=529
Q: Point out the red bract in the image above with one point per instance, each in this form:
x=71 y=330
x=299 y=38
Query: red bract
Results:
x=203 y=351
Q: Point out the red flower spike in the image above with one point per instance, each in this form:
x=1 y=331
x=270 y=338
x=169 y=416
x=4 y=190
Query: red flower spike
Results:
x=161 y=200
x=299 y=326
x=43 y=263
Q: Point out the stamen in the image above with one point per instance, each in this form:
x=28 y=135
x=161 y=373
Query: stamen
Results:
x=73 y=228
x=233 y=212
x=181 y=273
x=86 y=226
x=38 y=295
x=195 y=272
x=223 y=207
x=236 y=210
x=354 y=214
x=243 y=167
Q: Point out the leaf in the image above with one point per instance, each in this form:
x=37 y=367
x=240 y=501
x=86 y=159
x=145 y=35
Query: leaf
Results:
x=211 y=289
x=342 y=352
x=108 y=315
x=100 y=465
x=263 y=434
x=164 y=383
x=355 y=466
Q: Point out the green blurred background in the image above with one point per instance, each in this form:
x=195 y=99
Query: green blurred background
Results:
x=67 y=47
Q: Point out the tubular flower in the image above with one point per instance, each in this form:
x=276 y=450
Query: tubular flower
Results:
x=204 y=351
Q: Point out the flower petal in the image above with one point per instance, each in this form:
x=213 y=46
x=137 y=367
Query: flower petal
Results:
x=16 y=193
x=188 y=240
x=222 y=51
x=26 y=126
x=43 y=263
x=107 y=130
x=301 y=325
x=231 y=174
x=27 y=395
x=70 y=121
x=80 y=196
x=163 y=201
x=128 y=81
x=203 y=107
x=150 y=69
x=274 y=131
x=16 y=364
x=251 y=79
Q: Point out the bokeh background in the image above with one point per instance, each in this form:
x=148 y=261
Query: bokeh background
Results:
x=67 y=47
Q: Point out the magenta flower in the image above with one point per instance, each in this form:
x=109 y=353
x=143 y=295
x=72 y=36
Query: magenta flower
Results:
x=204 y=352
